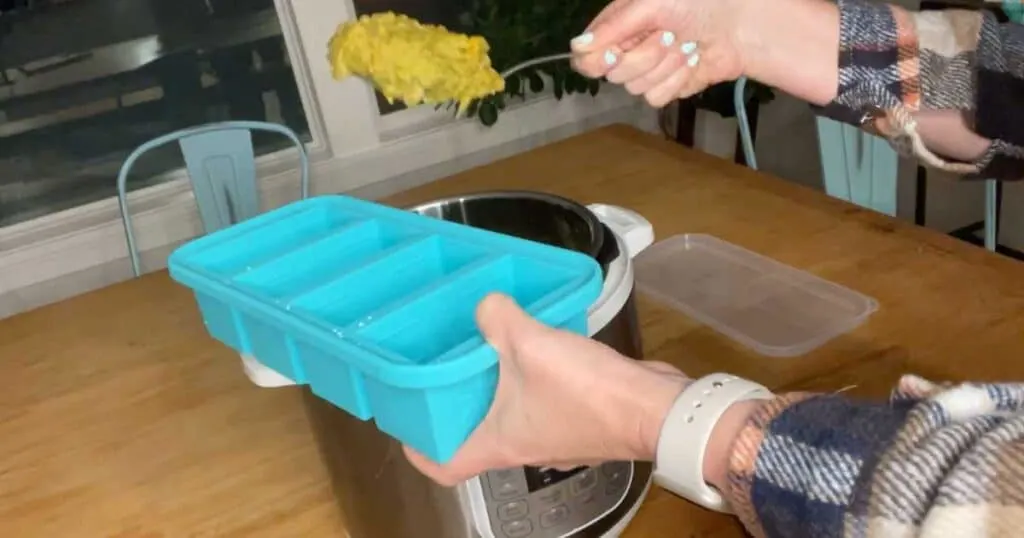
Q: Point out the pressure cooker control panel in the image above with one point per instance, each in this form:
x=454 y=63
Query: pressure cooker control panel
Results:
x=532 y=502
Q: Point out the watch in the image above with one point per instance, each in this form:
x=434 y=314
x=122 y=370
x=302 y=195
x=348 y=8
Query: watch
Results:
x=679 y=462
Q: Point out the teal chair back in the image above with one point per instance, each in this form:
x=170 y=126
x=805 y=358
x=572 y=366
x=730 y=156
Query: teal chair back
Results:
x=858 y=167
x=221 y=166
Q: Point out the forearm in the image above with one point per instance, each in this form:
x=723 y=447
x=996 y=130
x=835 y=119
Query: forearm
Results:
x=901 y=75
x=933 y=461
x=792 y=45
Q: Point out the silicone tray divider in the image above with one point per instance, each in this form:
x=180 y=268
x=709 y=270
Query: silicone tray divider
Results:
x=306 y=305
x=303 y=269
x=284 y=248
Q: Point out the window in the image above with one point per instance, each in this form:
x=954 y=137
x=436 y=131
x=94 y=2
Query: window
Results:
x=83 y=82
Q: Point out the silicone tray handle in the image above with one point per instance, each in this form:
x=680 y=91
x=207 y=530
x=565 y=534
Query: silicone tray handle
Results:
x=636 y=231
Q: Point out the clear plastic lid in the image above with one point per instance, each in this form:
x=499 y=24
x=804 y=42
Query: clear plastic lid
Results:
x=775 y=309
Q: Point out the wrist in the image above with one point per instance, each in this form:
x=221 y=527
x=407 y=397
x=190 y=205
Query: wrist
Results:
x=723 y=437
x=792 y=45
x=652 y=394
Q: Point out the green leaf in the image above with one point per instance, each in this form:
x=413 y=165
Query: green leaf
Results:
x=536 y=83
x=594 y=86
x=514 y=85
x=488 y=114
x=499 y=101
x=558 y=79
x=580 y=83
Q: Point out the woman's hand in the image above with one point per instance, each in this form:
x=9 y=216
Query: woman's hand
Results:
x=562 y=401
x=664 y=49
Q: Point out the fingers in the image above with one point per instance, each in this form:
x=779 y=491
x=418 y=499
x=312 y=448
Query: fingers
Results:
x=673 y=60
x=683 y=82
x=615 y=25
x=497 y=317
x=643 y=58
x=608 y=11
x=621 y=26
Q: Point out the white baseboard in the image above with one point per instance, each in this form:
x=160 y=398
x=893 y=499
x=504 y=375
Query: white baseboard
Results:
x=72 y=252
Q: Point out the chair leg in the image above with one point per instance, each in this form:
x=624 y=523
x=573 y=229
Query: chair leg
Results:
x=991 y=214
x=746 y=136
x=921 y=197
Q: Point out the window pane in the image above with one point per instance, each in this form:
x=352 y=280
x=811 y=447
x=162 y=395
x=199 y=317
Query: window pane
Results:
x=443 y=12
x=83 y=82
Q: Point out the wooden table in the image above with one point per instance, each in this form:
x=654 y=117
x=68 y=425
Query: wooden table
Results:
x=120 y=418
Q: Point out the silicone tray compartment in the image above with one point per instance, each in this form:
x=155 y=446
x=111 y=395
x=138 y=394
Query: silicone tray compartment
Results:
x=770 y=307
x=311 y=223
x=409 y=271
x=373 y=307
x=301 y=270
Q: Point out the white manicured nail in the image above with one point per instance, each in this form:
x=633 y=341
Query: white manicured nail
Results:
x=583 y=39
x=689 y=47
x=610 y=58
x=667 y=38
x=692 y=61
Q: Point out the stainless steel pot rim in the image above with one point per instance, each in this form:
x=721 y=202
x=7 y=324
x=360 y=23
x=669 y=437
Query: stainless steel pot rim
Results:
x=597 y=228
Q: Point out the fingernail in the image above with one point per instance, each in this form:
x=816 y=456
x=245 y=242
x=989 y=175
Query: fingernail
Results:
x=688 y=47
x=609 y=57
x=692 y=61
x=583 y=39
x=668 y=38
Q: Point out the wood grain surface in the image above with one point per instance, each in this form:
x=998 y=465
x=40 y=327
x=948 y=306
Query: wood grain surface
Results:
x=120 y=417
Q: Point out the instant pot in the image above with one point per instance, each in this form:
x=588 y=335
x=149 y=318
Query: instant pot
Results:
x=383 y=496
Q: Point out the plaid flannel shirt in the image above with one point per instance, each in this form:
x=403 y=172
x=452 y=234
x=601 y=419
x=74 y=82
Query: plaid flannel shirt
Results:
x=893 y=62
x=935 y=461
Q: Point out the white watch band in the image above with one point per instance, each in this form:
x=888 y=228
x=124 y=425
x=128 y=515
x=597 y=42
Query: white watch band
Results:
x=679 y=463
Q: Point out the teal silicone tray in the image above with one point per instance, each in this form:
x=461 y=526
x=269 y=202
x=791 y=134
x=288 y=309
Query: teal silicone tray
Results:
x=373 y=307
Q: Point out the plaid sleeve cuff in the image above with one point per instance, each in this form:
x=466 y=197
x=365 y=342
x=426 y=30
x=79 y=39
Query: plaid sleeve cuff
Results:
x=893 y=63
x=792 y=467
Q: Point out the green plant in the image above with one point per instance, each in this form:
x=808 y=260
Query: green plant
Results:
x=518 y=31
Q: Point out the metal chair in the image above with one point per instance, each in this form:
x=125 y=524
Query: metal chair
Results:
x=858 y=167
x=221 y=165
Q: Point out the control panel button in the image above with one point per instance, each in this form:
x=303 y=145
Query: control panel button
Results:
x=585 y=499
x=552 y=495
x=506 y=490
x=517 y=529
x=583 y=482
x=614 y=467
x=505 y=475
x=513 y=510
x=617 y=474
x=554 y=516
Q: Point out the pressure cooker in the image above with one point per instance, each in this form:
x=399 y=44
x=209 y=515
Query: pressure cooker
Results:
x=383 y=496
